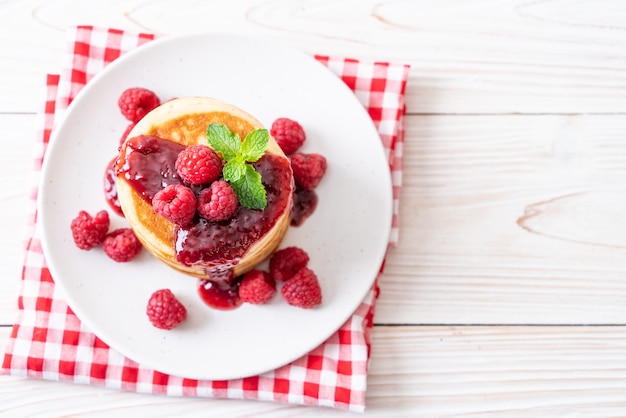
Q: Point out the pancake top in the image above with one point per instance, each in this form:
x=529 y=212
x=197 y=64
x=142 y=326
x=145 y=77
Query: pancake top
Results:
x=185 y=121
x=191 y=129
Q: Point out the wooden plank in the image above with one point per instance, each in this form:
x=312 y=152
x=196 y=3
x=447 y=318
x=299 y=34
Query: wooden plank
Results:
x=415 y=371
x=511 y=56
x=510 y=219
x=511 y=371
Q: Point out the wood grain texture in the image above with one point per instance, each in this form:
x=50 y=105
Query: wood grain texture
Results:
x=558 y=56
x=510 y=219
x=415 y=371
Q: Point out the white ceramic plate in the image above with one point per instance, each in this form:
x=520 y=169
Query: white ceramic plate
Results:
x=346 y=237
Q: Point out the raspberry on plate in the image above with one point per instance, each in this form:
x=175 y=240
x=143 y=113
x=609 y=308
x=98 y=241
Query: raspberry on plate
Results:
x=198 y=164
x=164 y=310
x=176 y=203
x=287 y=262
x=303 y=289
x=89 y=232
x=256 y=287
x=308 y=169
x=135 y=102
x=289 y=134
x=218 y=202
x=122 y=245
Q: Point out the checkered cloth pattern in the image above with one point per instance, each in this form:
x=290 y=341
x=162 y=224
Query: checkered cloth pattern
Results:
x=48 y=341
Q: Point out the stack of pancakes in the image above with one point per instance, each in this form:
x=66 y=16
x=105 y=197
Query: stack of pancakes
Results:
x=185 y=121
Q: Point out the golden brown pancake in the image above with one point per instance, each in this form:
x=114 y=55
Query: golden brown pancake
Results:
x=185 y=121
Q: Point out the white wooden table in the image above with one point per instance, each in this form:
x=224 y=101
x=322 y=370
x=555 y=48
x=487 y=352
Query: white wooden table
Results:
x=507 y=293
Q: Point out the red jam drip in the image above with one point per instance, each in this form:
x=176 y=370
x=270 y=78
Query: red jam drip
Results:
x=148 y=164
x=219 y=295
x=227 y=241
x=304 y=204
x=110 y=189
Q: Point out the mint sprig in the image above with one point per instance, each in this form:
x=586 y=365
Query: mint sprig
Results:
x=243 y=178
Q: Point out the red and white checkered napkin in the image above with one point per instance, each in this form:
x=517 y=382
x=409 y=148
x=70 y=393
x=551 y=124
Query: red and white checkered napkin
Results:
x=48 y=341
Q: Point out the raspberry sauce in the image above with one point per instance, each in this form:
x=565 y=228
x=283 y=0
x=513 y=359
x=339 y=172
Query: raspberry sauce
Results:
x=219 y=295
x=304 y=204
x=216 y=243
x=110 y=189
x=148 y=164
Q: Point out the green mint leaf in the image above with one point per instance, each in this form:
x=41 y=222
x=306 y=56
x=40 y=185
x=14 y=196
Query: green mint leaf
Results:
x=243 y=178
x=222 y=140
x=234 y=169
x=250 y=190
x=254 y=145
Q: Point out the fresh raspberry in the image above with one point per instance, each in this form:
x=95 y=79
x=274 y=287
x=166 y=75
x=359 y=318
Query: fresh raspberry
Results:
x=164 y=310
x=89 y=232
x=218 y=202
x=198 y=164
x=135 y=102
x=176 y=203
x=308 y=169
x=126 y=132
x=256 y=287
x=288 y=134
x=287 y=262
x=303 y=290
x=121 y=245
